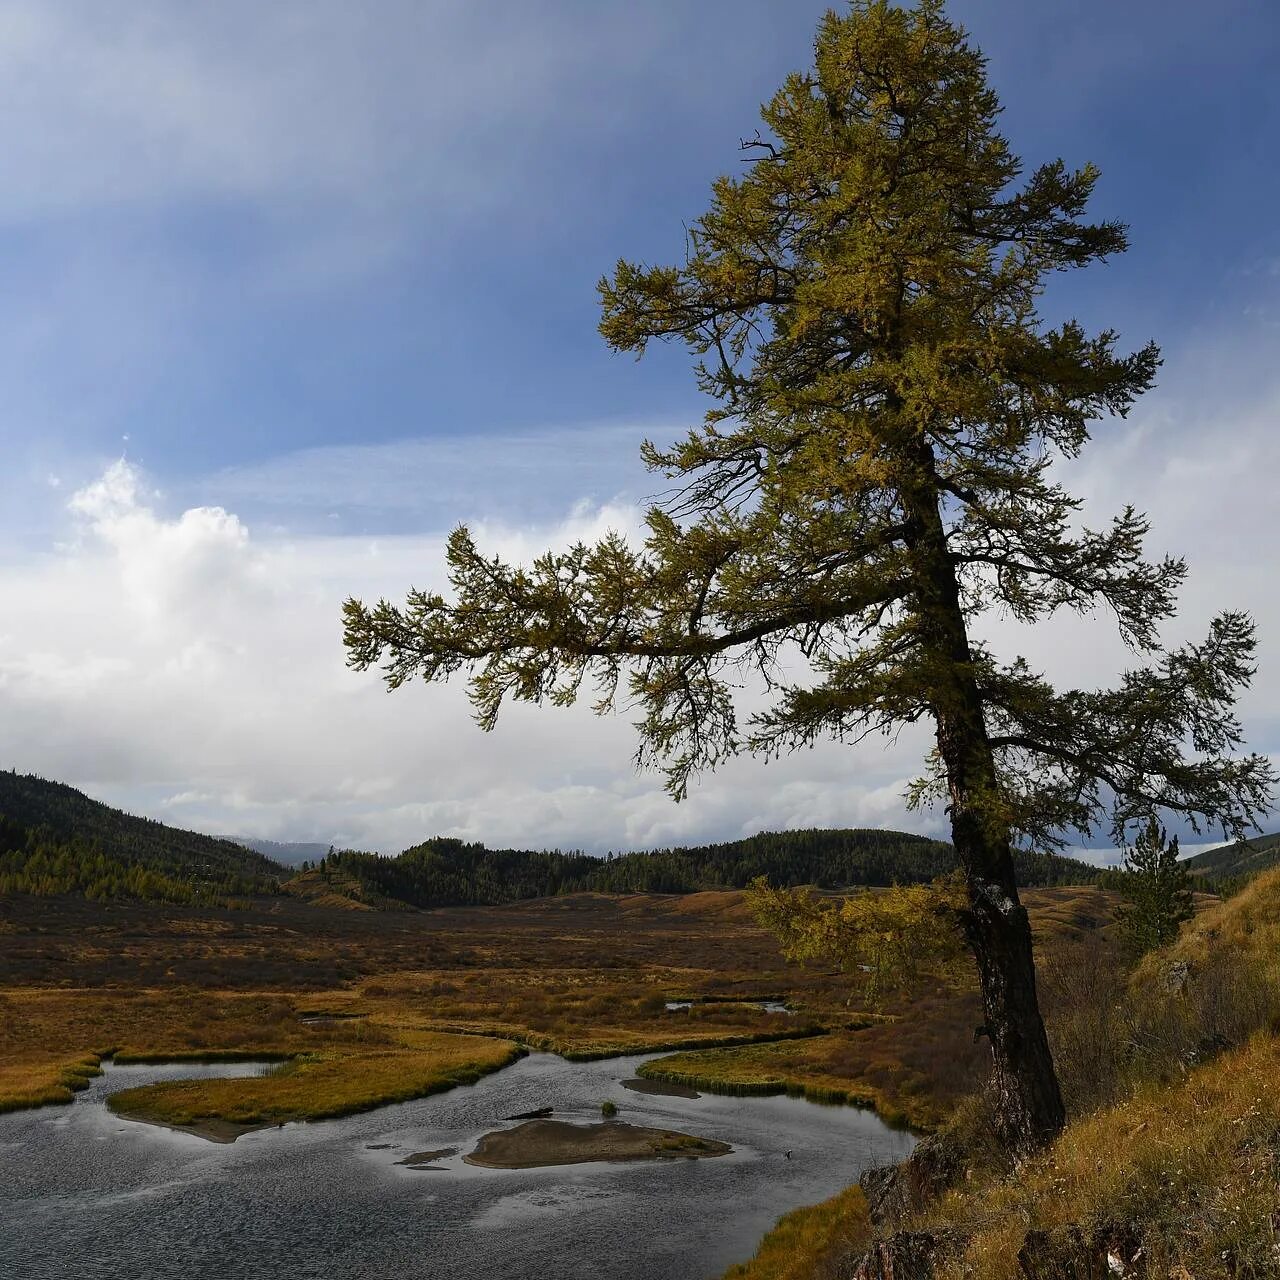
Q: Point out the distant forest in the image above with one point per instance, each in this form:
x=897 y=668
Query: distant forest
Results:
x=448 y=872
x=54 y=840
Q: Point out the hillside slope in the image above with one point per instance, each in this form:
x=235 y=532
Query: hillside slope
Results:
x=55 y=839
x=1237 y=861
x=1171 y=1169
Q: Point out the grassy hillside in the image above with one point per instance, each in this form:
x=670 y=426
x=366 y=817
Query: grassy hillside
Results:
x=54 y=839
x=1170 y=1165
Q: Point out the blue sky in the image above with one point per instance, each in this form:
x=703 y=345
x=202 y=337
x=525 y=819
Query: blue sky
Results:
x=323 y=276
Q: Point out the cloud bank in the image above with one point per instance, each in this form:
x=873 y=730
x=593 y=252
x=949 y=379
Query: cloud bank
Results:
x=181 y=662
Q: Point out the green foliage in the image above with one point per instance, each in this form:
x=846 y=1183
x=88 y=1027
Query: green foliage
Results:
x=608 y=1109
x=883 y=939
x=55 y=840
x=1157 y=891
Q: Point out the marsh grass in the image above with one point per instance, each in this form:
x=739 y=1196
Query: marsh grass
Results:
x=809 y=1243
x=320 y=1085
x=43 y=1083
x=586 y=977
x=913 y=1071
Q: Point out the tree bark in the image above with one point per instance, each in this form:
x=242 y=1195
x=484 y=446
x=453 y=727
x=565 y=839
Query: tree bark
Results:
x=1028 y=1100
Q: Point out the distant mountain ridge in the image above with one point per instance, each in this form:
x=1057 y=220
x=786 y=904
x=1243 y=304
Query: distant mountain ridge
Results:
x=55 y=839
x=292 y=853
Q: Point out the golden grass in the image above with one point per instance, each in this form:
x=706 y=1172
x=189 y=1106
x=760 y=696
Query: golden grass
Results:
x=587 y=976
x=805 y=1239
x=321 y=1085
x=43 y=1083
x=801 y=1068
x=1248 y=922
x=912 y=1069
x=577 y=1014
x=1196 y=1168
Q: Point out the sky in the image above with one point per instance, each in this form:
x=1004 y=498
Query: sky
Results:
x=290 y=290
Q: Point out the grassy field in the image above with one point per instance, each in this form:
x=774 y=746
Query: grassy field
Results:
x=317 y=1086
x=584 y=976
x=876 y=1066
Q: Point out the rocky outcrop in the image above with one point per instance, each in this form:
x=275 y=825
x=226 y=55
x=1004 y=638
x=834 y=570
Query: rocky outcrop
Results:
x=898 y=1190
x=908 y=1255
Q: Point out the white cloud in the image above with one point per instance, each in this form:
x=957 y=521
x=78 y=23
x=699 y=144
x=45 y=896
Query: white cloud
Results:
x=187 y=664
x=180 y=665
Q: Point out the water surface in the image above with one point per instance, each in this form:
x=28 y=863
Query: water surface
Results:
x=83 y=1191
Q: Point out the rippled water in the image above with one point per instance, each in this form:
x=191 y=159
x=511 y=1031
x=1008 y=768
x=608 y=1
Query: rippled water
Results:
x=82 y=1191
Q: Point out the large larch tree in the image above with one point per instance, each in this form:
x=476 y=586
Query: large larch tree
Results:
x=874 y=472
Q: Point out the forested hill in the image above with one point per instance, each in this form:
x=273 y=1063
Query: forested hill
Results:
x=1238 y=861
x=447 y=872
x=54 y=839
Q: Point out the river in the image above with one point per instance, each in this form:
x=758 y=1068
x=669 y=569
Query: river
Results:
x=84 y=1192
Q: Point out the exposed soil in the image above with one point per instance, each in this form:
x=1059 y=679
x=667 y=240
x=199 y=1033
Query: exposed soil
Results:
x=420 y=1159
x=539 y=1143
x=660 y=1088
x=212 y=1130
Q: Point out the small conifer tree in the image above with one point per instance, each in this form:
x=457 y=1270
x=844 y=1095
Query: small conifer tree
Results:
x=1157 y=891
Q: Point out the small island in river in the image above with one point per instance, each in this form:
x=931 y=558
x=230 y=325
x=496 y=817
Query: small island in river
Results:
x=539 y=1143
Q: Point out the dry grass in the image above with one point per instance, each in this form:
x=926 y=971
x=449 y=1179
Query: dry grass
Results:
x=912 y=1069
x=1181 y=1170
x=322 y=1085
x=1195 y=1168
x=44 y=1083
x=585 y=976
x=808 y=1243
x=577 y=1013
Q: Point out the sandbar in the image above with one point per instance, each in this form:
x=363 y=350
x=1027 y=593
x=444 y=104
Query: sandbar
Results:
x=539 y=1143
x=660 y=1088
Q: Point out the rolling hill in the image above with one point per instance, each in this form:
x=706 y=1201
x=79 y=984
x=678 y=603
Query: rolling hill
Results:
x=448 y=872
x=1241 y=860
x=54 y=839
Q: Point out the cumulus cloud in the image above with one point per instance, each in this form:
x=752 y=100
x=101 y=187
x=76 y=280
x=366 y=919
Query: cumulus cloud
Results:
x=180 y=665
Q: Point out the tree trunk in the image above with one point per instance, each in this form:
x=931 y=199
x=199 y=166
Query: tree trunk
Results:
x=1028 y=1101
x=1029 y=1106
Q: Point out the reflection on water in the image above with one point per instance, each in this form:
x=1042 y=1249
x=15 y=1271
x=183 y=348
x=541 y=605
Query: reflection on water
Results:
x=82 y=1190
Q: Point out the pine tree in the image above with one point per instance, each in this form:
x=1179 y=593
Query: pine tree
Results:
x=1157 y=891
x=874 y=473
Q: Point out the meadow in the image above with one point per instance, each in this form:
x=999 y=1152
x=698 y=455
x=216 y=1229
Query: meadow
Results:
x=370 y=1007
